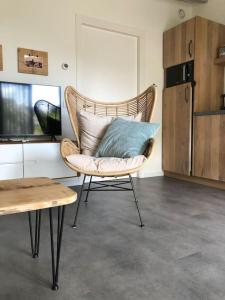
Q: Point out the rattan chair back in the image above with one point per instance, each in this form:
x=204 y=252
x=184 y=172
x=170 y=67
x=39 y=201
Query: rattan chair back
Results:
x=76 y=102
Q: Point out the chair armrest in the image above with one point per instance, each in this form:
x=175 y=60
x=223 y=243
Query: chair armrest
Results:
x=149 y=147
x=67 y=147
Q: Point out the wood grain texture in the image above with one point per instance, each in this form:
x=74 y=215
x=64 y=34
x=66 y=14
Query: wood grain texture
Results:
x=209 y=147
x=1 y=58
x=179 y=44
x=177 y=121
x=208 y=160
x=220 y=61
x=20 y=195
x=209 y=77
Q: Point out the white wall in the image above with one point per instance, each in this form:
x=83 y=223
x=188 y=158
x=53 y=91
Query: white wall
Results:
x=213 y=10
x=49 y=25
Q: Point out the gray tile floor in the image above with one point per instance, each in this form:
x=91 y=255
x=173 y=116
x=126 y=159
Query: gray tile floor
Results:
x=179 y=255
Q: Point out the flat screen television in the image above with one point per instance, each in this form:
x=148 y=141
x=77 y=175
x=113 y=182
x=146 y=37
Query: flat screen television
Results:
x=29 y=110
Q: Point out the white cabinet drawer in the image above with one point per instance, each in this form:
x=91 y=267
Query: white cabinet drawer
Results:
x=32 y=160
x=42 y=152
x=11 y=171
x=11 y=161
x=47 y=169
x=10 y=153
x=44 y=160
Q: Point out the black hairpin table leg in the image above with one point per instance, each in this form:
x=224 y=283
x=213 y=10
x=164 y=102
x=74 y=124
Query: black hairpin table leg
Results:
x=56 y=256
x=35 y=242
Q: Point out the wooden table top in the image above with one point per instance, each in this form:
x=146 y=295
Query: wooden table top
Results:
x=20 y=195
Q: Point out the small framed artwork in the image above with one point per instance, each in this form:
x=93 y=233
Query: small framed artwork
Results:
x=1 y=59
x=32 y=61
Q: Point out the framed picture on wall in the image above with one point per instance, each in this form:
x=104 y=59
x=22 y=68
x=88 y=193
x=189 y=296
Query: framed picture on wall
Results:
x=1 y=59
x=32 y=61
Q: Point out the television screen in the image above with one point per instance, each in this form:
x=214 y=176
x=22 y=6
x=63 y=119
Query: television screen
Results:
x=29 y=109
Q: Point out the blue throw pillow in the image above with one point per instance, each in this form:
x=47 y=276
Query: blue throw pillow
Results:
x=126 y=138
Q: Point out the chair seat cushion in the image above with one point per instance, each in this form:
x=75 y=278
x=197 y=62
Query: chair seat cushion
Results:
x=100 y=165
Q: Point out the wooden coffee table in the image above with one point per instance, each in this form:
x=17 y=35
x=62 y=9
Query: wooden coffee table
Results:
x=35 y=194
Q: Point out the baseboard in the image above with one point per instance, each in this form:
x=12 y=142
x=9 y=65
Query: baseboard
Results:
x=145 y=174
x=73 y=181
x=208 y=182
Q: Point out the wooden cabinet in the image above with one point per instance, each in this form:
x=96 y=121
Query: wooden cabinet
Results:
x=198 y=39
x=179 y=44
x=177 y=123
x=198 y=152
x=209 y=147
x=209 y=77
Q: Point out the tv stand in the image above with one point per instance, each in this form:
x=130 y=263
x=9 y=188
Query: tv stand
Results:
x=27 y=141
x=53 y=138
x=20 y=159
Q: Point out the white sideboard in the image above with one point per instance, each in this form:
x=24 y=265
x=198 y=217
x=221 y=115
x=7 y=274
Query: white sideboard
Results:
x=32 y=160
x=11 y=161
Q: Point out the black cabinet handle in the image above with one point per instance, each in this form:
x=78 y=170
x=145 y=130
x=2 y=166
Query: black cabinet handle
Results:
x=186 y=94
x=190 y=48
x=184 y=72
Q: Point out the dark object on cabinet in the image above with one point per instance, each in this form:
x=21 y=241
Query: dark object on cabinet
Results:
x=179 y=74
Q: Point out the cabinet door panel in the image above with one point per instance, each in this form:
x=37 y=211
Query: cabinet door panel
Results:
x=179 y=44
x=209 y=147
x=44 y=159
x=10 y=153
x=209 y=77
x=177 y=124
x=11 y=171
x=11 y=161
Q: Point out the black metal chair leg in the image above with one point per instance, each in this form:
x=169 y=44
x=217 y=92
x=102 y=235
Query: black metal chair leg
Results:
x=136 y=202
x=88 y=190
x=55 y=260
x=39 y=233
x=78 y=204
x=35 y=242
x=58 y=225
x=31 y=233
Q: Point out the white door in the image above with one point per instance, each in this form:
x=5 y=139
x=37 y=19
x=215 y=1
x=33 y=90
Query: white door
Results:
x=108 y=64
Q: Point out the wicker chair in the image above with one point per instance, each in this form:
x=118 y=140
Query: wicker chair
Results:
x=76 y=102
